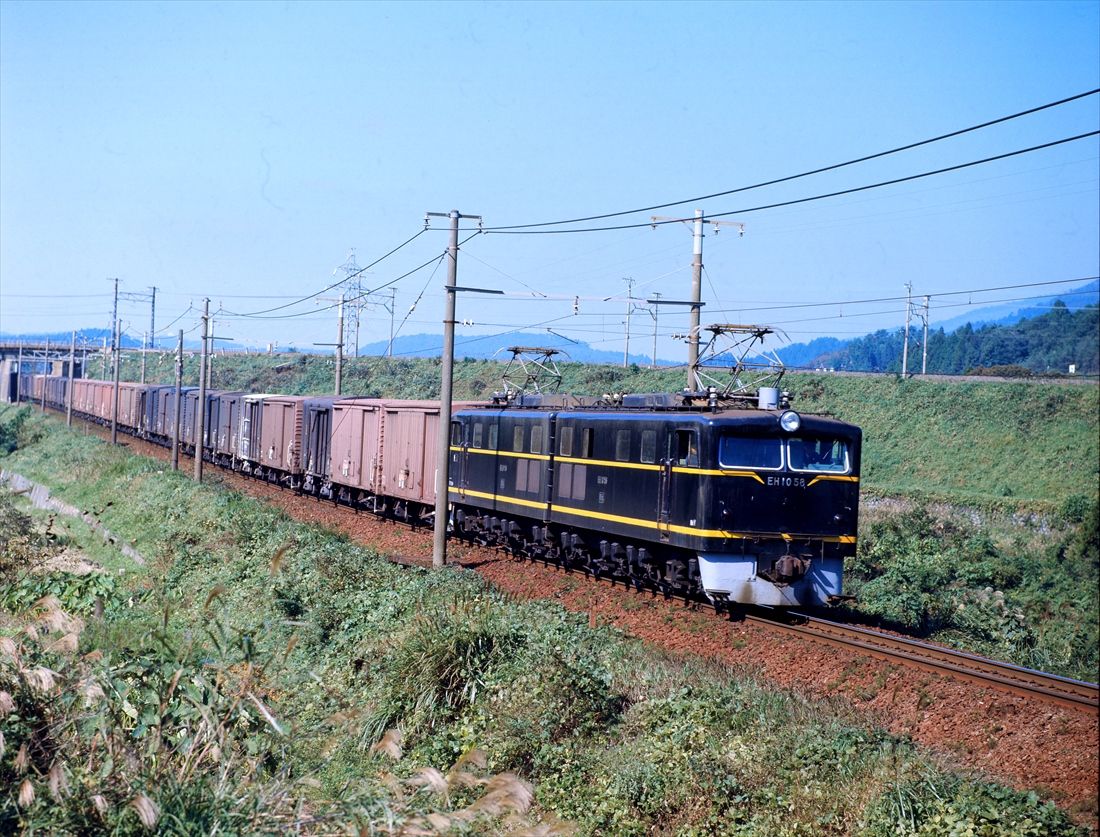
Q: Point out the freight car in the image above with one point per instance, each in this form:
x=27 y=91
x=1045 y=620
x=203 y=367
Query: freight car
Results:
x=740 y=503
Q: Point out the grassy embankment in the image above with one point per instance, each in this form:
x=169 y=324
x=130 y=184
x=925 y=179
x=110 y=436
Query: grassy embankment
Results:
x=241 y=680
x=979 y=526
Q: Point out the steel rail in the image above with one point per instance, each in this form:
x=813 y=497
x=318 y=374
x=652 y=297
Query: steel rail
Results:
x=1050 y=688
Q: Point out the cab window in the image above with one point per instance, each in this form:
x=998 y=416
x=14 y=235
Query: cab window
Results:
x=649 y=446
x=456 y=432
x=827 y=456
x=750 y=452
x=687 y=448
x=479 y=428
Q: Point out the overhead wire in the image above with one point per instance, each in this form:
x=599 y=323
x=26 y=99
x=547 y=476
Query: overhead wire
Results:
x=335 y=284
x=797 y=201
x=788 y=178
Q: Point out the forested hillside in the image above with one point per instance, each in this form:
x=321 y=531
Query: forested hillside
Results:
x=1041 y=345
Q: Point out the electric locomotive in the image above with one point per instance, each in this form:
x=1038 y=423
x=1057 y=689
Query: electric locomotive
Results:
x=746 y=505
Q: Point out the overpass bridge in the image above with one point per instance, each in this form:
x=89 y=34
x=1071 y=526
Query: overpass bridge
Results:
x=32 y=357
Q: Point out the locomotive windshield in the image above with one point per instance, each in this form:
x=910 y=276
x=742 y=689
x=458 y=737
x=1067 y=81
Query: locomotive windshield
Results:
x=827 y=456
x=750 y=452
x=818 y=455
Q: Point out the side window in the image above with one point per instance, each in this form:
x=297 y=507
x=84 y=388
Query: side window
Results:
x=622 y=445
x=687 y=448
x=456 y=433
x=586 y=443
x=565 y=480
x=493 y=435
x=565 y=446
x=536 y=439
x=478 y=430
x=649 y=446
x=517 y=438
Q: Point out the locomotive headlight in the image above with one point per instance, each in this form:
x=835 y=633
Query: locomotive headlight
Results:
x=790 y=421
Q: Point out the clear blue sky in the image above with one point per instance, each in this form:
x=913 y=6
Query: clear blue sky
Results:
x=241 y=150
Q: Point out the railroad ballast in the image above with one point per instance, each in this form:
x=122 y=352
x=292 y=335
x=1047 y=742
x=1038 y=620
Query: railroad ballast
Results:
x=745 y=502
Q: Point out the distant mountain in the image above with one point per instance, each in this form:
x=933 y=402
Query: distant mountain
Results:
x=829 y=351
x=490 y=345
x=1049 y=343
x=1012 y=312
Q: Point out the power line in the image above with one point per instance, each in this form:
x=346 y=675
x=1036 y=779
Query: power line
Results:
x=330 y=307
x=899 y=298
x=788 y=178
x=796 y=201
x=334 y=284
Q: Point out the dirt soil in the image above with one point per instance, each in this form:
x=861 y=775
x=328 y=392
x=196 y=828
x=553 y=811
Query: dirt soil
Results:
x=1020 y=741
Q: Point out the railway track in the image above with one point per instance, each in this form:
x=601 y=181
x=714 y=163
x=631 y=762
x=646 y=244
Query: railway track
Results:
x=1049 y=688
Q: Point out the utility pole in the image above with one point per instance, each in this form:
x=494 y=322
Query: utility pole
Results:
x=443 y=446
x=924 y=343
x=144 y=348
x=46 y=370
x=905 y=345
x=201 y=408
x=696 y=283
x=179 y=391
x=19 y=374
x=114 y=316
x=340 y=344
x=209 y=351
x=696 y=296
x=118 y=367
x=629 y=310
x=152 y=318
x=105 y=357
x=656 y=310
x=390 y=307
x=69 y=391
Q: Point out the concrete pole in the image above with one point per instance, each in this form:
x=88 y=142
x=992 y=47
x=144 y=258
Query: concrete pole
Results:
x=656 y=312
x=118 y=368
x=443 y=446
x=340 y=345
x=105 y=357
x=393 y=307
x=201 y=407
x=696 y=298
x=46 y=371
x=905 y=345
x=19 y=375
x=69 y=390
x=629 y=310
x=144 y=350
x=924 y=344
x=179 y=391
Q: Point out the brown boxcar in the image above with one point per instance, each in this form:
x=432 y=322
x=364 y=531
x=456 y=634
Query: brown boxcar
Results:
x=409 y=441
x=354 y=451
x=281 y=433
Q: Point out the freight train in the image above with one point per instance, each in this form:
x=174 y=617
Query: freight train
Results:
x=746 y=502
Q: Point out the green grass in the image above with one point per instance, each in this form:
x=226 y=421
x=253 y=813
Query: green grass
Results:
x=339 y=645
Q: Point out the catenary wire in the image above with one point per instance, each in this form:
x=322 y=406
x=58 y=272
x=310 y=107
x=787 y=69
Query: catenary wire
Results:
x=791 y=177
x=796 y=201
x=335 y=284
